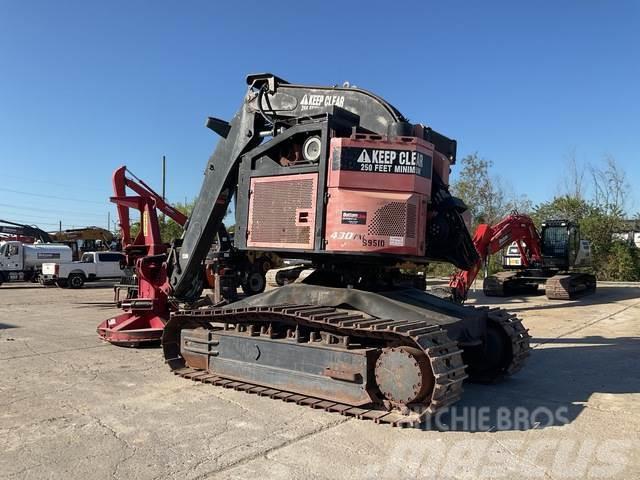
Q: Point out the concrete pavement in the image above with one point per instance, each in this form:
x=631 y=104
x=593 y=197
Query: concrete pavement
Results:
x=74 y=407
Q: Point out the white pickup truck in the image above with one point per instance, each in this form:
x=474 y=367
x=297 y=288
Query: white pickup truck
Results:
x=92 y=266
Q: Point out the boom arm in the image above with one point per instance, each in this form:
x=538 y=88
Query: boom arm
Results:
x=490 y=239
x=145 y=195
x=270 y=106
x=18 y=230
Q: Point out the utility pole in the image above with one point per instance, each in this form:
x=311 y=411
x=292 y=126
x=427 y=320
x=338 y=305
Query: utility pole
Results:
x=60 y=225
x=164 y=176
x=108 y=220
x=164 y=180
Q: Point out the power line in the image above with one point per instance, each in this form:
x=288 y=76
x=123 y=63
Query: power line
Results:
x=45 y=215
x=56 y=212
x=44 y=223
x=52 y=196
x=45 y=181
x=41 y=218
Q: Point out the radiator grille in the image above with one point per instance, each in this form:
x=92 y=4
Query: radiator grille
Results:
x=274 y=207
x=395 y=219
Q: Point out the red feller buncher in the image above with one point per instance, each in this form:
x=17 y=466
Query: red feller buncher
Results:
x=338 y=177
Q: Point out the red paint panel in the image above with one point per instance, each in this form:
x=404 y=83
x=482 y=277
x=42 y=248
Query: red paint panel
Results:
x=371 y=207
x=373 y=221
x=383 y=178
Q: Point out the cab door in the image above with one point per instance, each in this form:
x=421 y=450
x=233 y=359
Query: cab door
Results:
x=109 y=264
x=13 y=257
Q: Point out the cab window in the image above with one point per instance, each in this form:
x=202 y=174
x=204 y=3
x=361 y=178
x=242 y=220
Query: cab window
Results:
x=87 y=258
x=555 y=241
x=13 y=250
x=109 y=257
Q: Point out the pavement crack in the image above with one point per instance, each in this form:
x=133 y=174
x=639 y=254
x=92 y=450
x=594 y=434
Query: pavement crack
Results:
x=32 y=424
x=20 y=472
x=224 y=399
x=129 y=450
x=521 y=458
x=15 y=400
x=587 y=324
x=45 y=354
x=271 y=450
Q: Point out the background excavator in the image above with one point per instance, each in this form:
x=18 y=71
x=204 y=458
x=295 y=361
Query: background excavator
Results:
x=552 y=258
x=87 y=239
x=338 y=177
x=23 y=233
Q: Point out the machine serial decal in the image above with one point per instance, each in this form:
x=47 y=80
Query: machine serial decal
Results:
x=339 y=235
x=314 y=101
x=383 y=161
x=366 y=242
x=354 y=218
x=376 y=242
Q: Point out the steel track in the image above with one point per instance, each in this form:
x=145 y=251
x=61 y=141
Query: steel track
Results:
x=570 y=286
x=444 y=355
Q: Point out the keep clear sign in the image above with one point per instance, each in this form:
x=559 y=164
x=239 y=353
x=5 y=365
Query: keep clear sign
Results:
x=385 y=161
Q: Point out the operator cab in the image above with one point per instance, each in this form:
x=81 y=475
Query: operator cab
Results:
x=556 y=243
x=9 y=249
x=562 y=246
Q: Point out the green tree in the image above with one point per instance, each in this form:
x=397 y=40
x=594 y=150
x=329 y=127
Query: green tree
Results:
x=169 y=229
x=622 y=262
x=488 y=199
x=565 y=207
x=479 y=190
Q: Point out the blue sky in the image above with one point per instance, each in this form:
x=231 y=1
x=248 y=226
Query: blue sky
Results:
x=87 y=86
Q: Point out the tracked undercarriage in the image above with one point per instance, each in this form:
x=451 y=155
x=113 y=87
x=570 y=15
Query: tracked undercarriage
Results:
x=560 y=286
x=336 y=354
x=570 y=285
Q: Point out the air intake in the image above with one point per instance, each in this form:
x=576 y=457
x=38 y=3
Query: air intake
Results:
x=282 y=211
x=395 y=219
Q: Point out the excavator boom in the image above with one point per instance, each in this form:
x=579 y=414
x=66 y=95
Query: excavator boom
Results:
x=489 y=239
x=17 y=230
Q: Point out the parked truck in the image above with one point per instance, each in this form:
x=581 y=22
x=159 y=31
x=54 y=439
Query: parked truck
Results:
x=23 y=261
x=92 y=266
